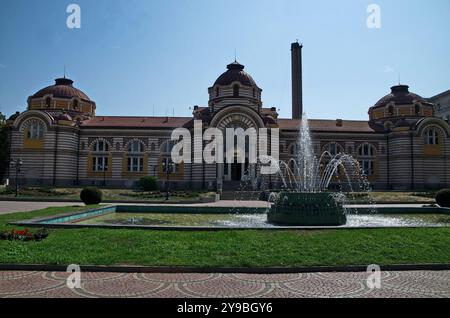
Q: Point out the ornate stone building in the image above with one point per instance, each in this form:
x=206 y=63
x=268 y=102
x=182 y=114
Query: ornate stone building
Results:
x=63 y=142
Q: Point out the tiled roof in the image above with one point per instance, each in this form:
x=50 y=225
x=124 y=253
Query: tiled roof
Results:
x=235 y=73
x=138 y=122
x=327 y=125
x=63 y=88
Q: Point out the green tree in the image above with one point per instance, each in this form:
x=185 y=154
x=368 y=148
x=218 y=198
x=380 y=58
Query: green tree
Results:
x=4 y=146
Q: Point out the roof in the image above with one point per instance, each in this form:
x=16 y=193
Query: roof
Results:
x=328 y=125
x=63 y=88
x=434 y=98
x=235 y=73
x=400 y=95
x=137 y=122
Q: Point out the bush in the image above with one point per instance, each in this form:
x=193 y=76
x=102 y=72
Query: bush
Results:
x=443 y=198
x=91 y=195
x=148 y=183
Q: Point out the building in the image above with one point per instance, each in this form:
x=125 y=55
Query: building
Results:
x=442 y=105
x=63 y=142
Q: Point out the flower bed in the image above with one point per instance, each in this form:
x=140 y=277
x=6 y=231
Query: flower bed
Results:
x=24 y=235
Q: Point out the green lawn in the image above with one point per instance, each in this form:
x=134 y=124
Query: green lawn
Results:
x=50 y=193
x=225 y=248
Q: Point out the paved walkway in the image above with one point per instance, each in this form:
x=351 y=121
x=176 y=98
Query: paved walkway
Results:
x=22 y=206
x=393 y=284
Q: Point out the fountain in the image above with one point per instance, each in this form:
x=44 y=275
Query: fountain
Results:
x=304 y=200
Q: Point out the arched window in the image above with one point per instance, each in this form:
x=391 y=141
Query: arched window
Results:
x=366 y=154
x=217 y=91
x=417 y=110
x=135 y=156
x=366 y=150
x=100 y=146
x=35 y=130
x=254 y=92
x=168 y=166
x=432 y=136
x=235 y=90
x=100 y=158
x=333 y=148
x=48 y=102
x=75 y=104
x=391 y=110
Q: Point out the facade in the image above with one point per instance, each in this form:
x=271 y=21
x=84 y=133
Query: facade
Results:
x=442 y=105
x=63 y=142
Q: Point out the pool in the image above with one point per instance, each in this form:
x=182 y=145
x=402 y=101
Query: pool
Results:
x=194 y=217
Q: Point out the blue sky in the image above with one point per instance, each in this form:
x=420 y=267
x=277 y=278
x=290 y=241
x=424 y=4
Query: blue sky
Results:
x=145 y=57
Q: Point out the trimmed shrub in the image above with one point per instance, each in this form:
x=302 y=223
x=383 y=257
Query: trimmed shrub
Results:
x=443 y=198
x=148 y=183
x=91 y=195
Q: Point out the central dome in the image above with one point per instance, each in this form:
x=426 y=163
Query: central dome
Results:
x=63 y=88
x=235 y=73
x=400 y=95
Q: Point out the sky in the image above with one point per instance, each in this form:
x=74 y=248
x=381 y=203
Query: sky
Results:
x=158 y=58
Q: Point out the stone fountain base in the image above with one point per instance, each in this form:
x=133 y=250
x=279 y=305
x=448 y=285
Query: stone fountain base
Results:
x=306 y=209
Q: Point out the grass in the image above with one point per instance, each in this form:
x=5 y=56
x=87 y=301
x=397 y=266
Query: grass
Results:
x=49 y=193
x=225 y=248
x=391 y=197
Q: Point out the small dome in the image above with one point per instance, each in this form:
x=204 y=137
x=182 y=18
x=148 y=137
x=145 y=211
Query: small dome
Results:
x=400 y=95
x=235 y=73
x=14 y=116
x=63 y=88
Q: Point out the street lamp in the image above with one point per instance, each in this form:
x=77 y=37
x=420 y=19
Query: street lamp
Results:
x=168 y=164
x=17 y=164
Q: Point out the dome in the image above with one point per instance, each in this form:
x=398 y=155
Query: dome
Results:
x=63 y=88
x=235 y=73
x=400 y=95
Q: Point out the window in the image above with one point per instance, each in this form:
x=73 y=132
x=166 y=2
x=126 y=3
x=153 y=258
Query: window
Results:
x=333 y=148
x=135 y=164
x=100 y=164
x=135 y=146
x=417 y=109
x=217 y=91
x=35 y=130
x=432 y=137
x=391 y=110
x=75 y=104
x=100 y=146
x=135 y=160
x=366 y=150
x=367 y=167
x=254 y=92
x=48 y=102
x=236 y=90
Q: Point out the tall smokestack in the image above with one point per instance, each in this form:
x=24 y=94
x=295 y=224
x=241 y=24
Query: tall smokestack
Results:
x=297 y=85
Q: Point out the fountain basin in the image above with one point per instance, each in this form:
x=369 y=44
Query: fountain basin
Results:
x=306 y=209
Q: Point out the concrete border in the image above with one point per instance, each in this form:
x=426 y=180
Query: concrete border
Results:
x=243 y=270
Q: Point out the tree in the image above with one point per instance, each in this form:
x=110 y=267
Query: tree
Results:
x=4 y=146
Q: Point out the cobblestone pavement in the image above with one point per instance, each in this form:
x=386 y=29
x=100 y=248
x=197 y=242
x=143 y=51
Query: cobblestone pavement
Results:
x=393 y=284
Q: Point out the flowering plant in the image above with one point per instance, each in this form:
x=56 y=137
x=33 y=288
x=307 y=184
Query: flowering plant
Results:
x=24 y=235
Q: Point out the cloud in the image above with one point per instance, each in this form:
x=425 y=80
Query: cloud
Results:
x=388 y=69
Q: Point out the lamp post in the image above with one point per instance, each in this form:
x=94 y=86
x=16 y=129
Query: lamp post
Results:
x=17 y=164
x=168 y=164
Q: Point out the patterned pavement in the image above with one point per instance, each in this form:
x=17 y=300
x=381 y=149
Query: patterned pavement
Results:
x=404 y=284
